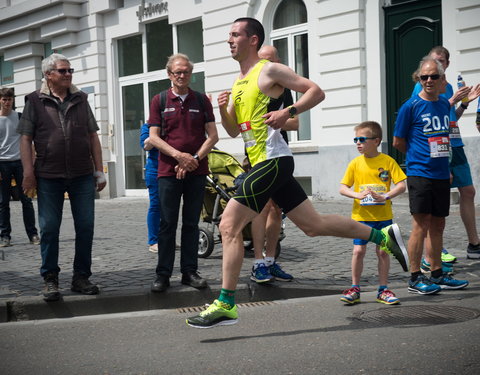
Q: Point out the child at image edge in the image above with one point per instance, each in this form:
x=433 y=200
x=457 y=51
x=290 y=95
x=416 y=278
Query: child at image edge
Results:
x=371 y=175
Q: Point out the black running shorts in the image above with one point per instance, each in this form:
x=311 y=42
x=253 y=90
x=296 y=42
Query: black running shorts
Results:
x=271 y=179
x=429 y=196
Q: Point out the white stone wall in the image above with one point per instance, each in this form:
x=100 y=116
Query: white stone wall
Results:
x=346 y=59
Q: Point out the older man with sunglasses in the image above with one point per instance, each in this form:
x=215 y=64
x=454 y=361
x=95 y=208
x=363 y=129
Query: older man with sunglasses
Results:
x=422 y=132
x=459 y=166
x=58 y=119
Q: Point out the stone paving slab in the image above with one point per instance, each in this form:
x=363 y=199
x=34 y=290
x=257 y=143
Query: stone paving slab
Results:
x=123 y=267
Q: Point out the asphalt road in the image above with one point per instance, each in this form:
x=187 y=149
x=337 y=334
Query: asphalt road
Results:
x=317 y=335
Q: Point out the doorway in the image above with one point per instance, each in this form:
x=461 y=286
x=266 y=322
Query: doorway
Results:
x=412 y=28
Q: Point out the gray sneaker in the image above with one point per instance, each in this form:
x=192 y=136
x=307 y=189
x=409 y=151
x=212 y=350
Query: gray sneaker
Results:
x=473 y=251
x=5 y=242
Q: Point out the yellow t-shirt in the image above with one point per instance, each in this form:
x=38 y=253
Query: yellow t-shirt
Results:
x=261 y=141
x=376 y=173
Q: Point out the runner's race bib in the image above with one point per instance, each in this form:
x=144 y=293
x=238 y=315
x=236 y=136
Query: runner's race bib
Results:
x=247 y=134
x=454 y=130
x=439 y=147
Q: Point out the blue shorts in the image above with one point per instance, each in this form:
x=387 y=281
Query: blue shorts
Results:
x=372 y=224
x=460 y=169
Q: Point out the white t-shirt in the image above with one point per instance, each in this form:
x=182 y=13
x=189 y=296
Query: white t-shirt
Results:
x=9 y=138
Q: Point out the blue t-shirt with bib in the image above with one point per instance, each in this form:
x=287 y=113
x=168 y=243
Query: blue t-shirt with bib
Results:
x=455 y=136
x=425 y=127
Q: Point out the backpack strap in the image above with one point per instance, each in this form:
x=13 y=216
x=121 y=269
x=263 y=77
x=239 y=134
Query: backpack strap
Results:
x=163 y=101
x=201 y=101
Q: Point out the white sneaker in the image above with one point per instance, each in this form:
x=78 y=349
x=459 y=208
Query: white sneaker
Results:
x=153 y=248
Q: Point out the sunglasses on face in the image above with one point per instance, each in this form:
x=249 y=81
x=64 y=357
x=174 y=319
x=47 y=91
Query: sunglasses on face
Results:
x=179 y=73
x=432 y=76
x=361 y=139
x=64 y=71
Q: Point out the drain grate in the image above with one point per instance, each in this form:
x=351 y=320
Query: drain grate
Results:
x=197 y=309
x=419 y=315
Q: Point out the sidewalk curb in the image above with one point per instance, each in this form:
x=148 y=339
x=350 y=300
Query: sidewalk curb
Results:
x=34 y=308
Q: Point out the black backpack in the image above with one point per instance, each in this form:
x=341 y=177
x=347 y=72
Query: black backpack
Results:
x=163 y=101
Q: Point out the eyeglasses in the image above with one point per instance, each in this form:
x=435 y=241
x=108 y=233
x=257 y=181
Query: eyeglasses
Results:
x=64 y=71
x=432 y=76
x=361 y=139
x=184 y=72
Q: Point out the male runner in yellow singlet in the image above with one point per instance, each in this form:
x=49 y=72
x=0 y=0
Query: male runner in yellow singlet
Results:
x=248 y=113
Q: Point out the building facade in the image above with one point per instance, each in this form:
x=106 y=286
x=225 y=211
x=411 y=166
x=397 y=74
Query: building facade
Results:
x=361 y=52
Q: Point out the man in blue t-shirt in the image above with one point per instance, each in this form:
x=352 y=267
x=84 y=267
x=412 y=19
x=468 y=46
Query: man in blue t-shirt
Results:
x=422 y=132
x=459 y=167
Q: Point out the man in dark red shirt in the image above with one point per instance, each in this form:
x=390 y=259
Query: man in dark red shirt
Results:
x=184 y=135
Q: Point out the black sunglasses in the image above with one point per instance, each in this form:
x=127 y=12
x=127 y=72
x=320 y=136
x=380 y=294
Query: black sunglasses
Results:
x=64 y=71
x=432 y=76
x=361 y=139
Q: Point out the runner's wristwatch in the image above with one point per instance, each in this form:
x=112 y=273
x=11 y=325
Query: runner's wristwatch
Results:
x=292 y=111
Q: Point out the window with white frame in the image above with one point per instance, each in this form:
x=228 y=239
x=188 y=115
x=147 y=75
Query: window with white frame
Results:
x=290 y=36
x=141 y=62
x=6 y=72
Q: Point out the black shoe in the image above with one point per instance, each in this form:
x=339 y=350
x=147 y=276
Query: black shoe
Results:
x=50 y=291
x=81 y=284
x=160 y=284
x=193 y=279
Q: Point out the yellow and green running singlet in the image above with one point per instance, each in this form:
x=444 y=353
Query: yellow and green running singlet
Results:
x=261 y=141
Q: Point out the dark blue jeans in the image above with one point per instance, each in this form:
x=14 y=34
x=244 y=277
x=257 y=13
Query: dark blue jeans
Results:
x=51 y=193
x=9 y=169
x=171 y=191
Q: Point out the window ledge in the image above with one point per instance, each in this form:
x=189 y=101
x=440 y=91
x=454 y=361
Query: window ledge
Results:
x=303 y=148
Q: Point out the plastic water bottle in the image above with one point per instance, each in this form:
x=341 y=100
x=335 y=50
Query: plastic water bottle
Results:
x=478 y=112
x=460 y=84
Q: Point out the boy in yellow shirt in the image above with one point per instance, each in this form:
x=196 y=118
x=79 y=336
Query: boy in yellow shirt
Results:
x=371 y=175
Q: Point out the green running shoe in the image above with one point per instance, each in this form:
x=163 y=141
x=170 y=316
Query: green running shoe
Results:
x=447 y=257
x=215 y=315
x=393 y=245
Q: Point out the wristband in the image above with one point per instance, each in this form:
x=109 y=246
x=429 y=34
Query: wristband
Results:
x=463 y=105
x=387 y=197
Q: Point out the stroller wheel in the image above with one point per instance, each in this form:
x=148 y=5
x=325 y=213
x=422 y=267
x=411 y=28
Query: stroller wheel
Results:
x=205 y=243
x=248 y=245
x=278 y=249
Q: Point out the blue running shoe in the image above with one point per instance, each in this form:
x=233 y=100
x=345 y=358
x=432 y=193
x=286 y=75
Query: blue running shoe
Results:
x=261 y=274
x=279 y=274
x=448 y=282
x=423 y=286
x=446 y=267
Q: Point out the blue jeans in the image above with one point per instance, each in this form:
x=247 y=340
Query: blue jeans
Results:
x=81 y=192
x=7 y=170
x=153 y=214
x=171 y=191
